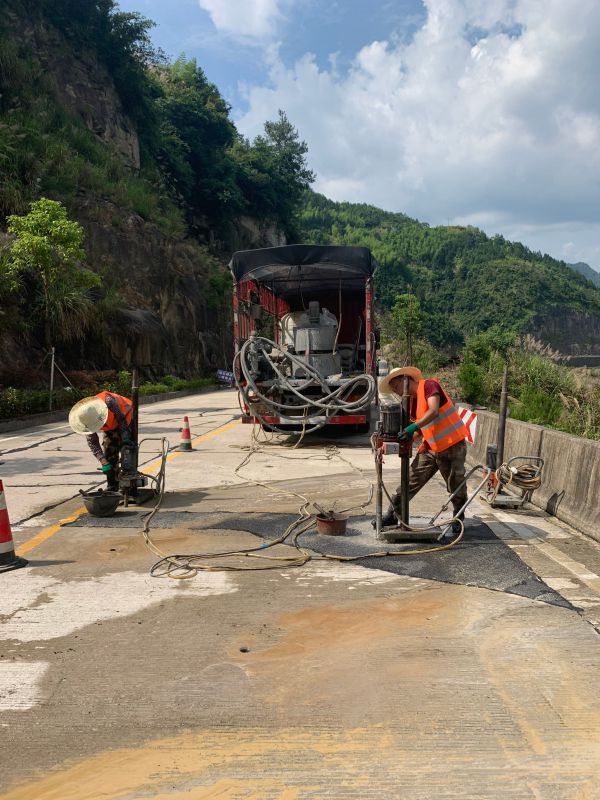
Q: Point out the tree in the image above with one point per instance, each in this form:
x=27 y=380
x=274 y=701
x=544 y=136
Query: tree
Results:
x=290 y=153
x=196 y=134
x=283 y=155
x=48 y=245
x=409 y=319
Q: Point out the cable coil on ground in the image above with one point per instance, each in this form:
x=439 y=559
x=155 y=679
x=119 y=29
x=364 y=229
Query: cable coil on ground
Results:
x=187 y=565
x=526 y=477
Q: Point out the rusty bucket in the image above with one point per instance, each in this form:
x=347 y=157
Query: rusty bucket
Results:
x=332 y=524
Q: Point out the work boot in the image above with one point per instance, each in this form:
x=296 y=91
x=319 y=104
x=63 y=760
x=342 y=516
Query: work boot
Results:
x=456 y=527
x=389 y=518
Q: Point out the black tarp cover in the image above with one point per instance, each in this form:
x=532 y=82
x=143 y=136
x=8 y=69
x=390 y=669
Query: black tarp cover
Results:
x=285 y=269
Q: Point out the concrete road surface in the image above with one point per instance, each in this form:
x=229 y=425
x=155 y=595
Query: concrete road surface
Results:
x=279 y=672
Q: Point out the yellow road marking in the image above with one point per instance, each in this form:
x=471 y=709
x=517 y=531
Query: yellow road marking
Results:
x=46 y=533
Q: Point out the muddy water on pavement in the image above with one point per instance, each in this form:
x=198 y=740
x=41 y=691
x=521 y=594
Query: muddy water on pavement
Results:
x=445 y=691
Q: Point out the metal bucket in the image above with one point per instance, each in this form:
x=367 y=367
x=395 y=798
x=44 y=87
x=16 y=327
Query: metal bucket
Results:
x=100 y=503
x=331 y=524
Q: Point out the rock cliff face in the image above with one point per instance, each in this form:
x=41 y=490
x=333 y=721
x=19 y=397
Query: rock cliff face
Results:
x=169 y=319
x=83 y=87
x=170 y=322
x=249 y=233
x=572 y=333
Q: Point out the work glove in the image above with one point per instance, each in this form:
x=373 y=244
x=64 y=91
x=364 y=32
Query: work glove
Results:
x=408 y=432
x=106 y=468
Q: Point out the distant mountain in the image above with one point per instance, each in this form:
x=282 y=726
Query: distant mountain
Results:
x=587 y=271
x=466 y=281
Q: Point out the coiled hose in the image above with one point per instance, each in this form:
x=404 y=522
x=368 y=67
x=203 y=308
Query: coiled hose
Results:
x=330 y=401
x=527 y=477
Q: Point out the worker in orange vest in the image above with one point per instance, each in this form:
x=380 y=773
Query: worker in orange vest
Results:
x=111 y=413
x=439 y=433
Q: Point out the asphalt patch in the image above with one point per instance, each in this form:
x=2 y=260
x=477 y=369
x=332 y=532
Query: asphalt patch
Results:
x=480 y=559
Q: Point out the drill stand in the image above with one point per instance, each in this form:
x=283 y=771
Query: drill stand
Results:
x=131 y=481
x=424 y=530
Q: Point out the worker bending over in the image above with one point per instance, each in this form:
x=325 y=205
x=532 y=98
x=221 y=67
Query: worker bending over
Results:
x=112 y=414
x=440 y=434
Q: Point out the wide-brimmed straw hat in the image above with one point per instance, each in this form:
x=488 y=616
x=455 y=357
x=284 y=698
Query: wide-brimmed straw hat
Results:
x=88 y=415
x=412 y=372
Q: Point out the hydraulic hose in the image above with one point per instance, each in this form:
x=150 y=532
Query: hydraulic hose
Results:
x=330 y=401
x=526 y=477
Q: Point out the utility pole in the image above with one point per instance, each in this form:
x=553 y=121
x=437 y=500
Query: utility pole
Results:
x=405 y=456
x=135 y=400
x=502 y=414
x=52 y=352
x=409 y=332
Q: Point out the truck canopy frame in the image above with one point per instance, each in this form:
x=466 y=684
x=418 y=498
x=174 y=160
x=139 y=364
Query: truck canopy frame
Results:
x=292 y=267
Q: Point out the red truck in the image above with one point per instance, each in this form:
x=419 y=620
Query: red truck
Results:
x=304 y=336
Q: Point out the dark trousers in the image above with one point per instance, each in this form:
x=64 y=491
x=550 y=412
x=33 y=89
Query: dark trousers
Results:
x=111 y=445
x=451 y=465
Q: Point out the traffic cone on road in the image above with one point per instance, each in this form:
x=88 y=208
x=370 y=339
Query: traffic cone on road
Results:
x=186 y=438
x=8 y=559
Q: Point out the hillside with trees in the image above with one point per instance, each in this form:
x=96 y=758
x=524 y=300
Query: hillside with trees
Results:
x=126 y=186
x=587 y=272
x=464 y=281
x=461 y=304
x=142 y=154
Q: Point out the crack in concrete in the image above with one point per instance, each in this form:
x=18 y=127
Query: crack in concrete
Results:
x=36 y=444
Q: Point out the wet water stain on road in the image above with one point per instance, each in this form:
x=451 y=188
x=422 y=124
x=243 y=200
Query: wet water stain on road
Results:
x=425 y=691
x=480 y=559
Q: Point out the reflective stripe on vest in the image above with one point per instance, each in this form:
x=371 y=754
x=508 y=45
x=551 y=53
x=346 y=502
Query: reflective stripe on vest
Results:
x=446 y=429
x=124 y=404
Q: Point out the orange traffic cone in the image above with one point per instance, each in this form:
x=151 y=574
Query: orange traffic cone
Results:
x=8 y=559
x=186 y=438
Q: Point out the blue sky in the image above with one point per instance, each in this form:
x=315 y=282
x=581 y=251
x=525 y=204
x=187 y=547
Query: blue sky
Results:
x=482 y=112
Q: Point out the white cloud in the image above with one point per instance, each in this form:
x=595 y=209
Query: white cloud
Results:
x=491 y=111
x=244 y=18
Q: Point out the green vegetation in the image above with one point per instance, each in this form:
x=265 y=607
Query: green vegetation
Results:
x=172 y=384
x=587 y=272
x=402 y=337
x=196 y=175
x=541 y=390
x=48 y=247
x=465 y=281
x=453 y=293
x=19 y=402
x=443 y=293
x=45 y=151
x=194 y=164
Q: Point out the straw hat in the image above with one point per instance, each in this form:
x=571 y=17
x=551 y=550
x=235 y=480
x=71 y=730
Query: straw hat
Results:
x=412 y=372
x=88 y=415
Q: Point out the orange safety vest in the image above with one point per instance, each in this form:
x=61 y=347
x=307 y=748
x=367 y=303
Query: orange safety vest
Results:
x=445 y=430
x=125 y=405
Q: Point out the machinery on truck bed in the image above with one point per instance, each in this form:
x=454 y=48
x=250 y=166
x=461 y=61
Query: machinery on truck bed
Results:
x=304 y=337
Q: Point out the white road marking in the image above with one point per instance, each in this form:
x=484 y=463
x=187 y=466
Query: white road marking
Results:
x=31 y=431
x=528 y=534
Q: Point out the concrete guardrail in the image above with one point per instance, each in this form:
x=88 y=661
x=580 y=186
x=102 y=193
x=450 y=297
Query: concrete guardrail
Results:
x=570 y=487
